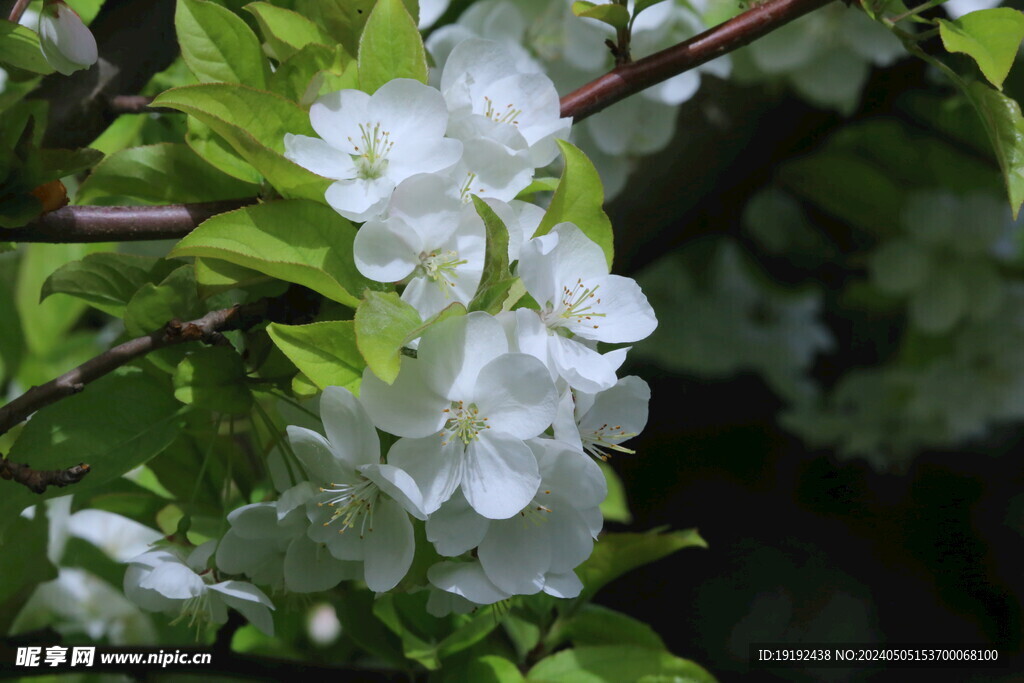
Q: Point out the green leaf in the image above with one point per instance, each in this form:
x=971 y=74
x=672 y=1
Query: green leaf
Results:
x=215 y=150
x=597 y=625
x=355 y=611
x=253 y=122
x=496 y=278
x=213 y=378
x=616 y=554
x=1005 y=127
x=293 y=240
x=217 y=45
x=616 y=16
x=614 y=507
x=23 y=564
x=614 y=664
x=325 y=352
x=390 y=47
x=302 y=75
x=409 y=622
x=285 y=31
x=107 y=281
x=343 y=19
x=452 y=310
x=58 y=163
x=846 y=187
x=83 y=428
x=153 y=305
x=990 y=37
x=383 y=324
x=214 y=276
x=161 y=174
x=471 y=631
x=491 y=669
x=545 y=184
x=579 y=199
x=19 y=47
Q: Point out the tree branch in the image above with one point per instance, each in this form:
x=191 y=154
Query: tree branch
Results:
x=295 y=305
x=17 y=11
x=627 y=79
x=119 y=223
x=38 y=480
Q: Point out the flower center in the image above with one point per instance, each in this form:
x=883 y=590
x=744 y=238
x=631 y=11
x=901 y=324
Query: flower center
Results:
x=507 y=114
x=606 y=436
x=440 y=267
x=196 y=609
x=353 y=504
x=464 y=422
x=575 y=307
x=536 y=512
x=374 y=146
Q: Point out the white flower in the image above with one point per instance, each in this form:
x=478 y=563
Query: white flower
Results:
x=428 y=234
x=466 y=406
x=163 y=580
x=268 y=543
x=68 y=44
x=549 y=537
x=373 y=142
x=595 y=423
x=567 y=274
x=361 y=513
x=489 y=97
x=431 y=11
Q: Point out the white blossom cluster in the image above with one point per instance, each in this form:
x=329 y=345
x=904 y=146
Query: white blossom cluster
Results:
x=746 y=323
x=544 y=36
x=965 y=371
x=946 y=260
x=825 y=56
x=493 y=421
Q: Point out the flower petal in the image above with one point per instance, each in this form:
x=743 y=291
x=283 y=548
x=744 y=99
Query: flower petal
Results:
x=389 y=546
x=500 y=476
x=318 y=456
x=435 y=466
x=348 y=427
x=514 y=391
x=408 y=407
x=466 y=579
x=309 y=567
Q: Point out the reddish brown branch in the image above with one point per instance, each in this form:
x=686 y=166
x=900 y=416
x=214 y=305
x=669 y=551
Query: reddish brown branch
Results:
x=293 y=306
x=135 y=104
x=120 y=223
x=38 y=480
x=627 y=79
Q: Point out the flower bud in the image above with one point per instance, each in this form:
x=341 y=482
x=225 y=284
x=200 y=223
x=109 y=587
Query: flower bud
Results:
x=67 y=43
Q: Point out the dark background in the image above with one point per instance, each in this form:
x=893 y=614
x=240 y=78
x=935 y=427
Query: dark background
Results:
x=805 y=547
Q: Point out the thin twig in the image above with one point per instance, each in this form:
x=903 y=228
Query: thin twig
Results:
x=17 y=11
x=120 y=223
x=627 y=79
x=38 y=480
x=294 y=305
x=135 y=104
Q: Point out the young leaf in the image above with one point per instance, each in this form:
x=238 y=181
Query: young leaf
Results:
x=107 y=281
x=213 y=378
x=383 y=324
x=285 y=31
x=299 y=77
x=215 y=150
x=342 y=19
x=217 y=45
x=325 y=352
x=253 y=122
x=990 y=37
x=616 y=16
x=161 y=174
x=617 y=554
x=616 y=663
x=640 y=5
x=19 y=47
x=214 y=276
x=294 y=240
x=496 y=278
x=490 y=669
x=614 y=507
x=390 y=47
x=579 y=199
x=597 y=625
x=1002 y=119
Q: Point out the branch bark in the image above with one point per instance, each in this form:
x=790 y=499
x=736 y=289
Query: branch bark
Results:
x=296 y=305
x=627 y=79
x=119 y=223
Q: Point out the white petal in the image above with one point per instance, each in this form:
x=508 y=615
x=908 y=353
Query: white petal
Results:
x=309 y=567
x=436 y=467
x=318 y=457
x=408 y=407
x=456 y=527
x=398 y=484
x=348 y=427
x=389 y=546
x=571 y=540
x=566 y=585
x=627 y=315
x=466 y=579
x=174 y=581
x=319 y=157
x=514 y=391
x=516 y=554
x=360 y=200
x=581 y=366
x=386 y=251
x=455 y=350
x=250 y=601
x=237 y=555
x=500 y=476
x=336 y=117
x=409 y=109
